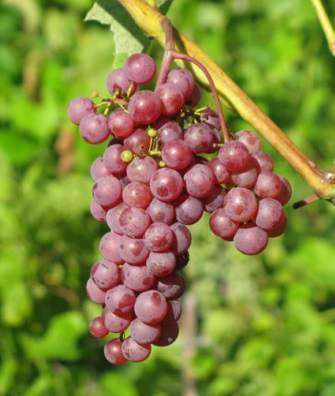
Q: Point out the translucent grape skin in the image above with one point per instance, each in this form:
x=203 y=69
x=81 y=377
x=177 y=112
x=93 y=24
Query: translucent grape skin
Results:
x=250 y=239
x=116 y=323
x=166 y=184
x=245 y=179
x=120 y=124
x=177 y=155
x=94 y=293
x=222 y=225
x=141 y=169
x=200 y=138
x=183 y=238
x=171 y=97
x=138 y=142
x=189 y=211
x=183 y=79
x=172 y=286
x=270 y=214
x=159 y=237
x=118 y=80
x=235 y=157
x=240 y=204
x=221 y=173
x=79 y=108
x=135 y=352
x=250 y=140
x=113 y=161
x=264 y=160
x=107 y=191
x=120 y=300
x=161 y=264
x=268 y=185
x=113 y=218
x=137 y=195
x=161 y=212
x=98 y=169
x=151 y=307
x=145 y=107
x=169 y=131
x=136 y=278
x=199 y=181
x=134 y=222
x=109 y=247
x=113 y=353
x=140 y=68
x=97 y=327
x=93 y=128
x=106 y=274
x=133 y=251
x=144 y=333
x=98 y=212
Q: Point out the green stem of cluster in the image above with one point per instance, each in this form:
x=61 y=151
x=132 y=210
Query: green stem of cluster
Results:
x=325 y=23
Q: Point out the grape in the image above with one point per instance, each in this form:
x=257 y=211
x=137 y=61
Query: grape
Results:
x=118 y=80
x=175 y=309
x=138 y=279
x=189 y=211
x=151 y=307
x=97 y=327
x=199 y=181
x=113 y=218
x=144 y=333
x=79 y=108
x=94 y=293
x=177 y=155
x=285 y=191
x=200 y=138
x=235 y=157
x=169 y=332
x=107 y=191
x=220 y=171
x=182 y=238
x=120 y=300
x=112 y=159
x=250 y=239
x=120 y=124
x=98 y=169
x=105 y=274
x=268 y=185
x=161 y=264
x=133 y=251
x=264 y=160
x=138 y=142
x=183 y=80
x=135 y=352
x=98 y=212
x=109 y=247
x=182 y=260
x=215 y=200
x=140 y=68
x=166 y=184
x=134 y=222
x=171 y=97
x=222 y=225
x=116 y=323
x=145 y=107
x=245 y=179
x=279 y=229
x=159 y=237
x=195 y=97
x=171 y=286
x=250 y=140
x=240 y=204
x=269 y=215
x=137 y=195
x=170 y=131
x=161 y=212
x=141 y=169
x=211 y=118
x=93 y=128
x=113 y=353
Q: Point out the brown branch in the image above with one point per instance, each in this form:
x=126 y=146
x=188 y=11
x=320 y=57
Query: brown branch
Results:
x=149 y=20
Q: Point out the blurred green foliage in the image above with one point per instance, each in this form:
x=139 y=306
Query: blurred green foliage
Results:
x=264 y=325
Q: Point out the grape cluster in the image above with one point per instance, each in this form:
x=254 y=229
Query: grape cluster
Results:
x=151 y=182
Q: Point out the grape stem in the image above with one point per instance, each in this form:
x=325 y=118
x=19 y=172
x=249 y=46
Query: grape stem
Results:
x=325 y=23
x=234 y=98
x=170 y=55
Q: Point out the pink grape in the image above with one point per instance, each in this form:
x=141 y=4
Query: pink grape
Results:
x=171 y=286
x=93 y=128
x=189 y=211
x=107 y=191
x=118 y=80
x=106 y=274
x=264 y=160
x=199 y=181
x=222 y=225
x=182 y=260
x=159 y=237
x=98 y=169
x=120 y=300
x=133 y=251
x=109 y=247
x=79 y=108
x=97 y=211
x=144 y=333
x=161 y=264
x=182 y=238
x=169 y=131
x=169 y=332
x=250 y=239
x=116 y=323
x=151 y=307
x=137 y=195
x=161 y=212
x=268 y=185
x=140 y=68
x=177 y=155
x=235 y=157
x=112 y=159
x=285 y=191
x=279 y=229
x=134 y=222
x=175 y=309
x=135 y=352
x=215 y=200
x=183 y=80
x=136 y=278
x=270 y=214
x=120 y=124
x=195 y=97
x=141 y=169
x=113 y=353
x=145 y=107
x=171 y=97
x=211 y=118
x=250 y=140
x=138 y=142
x=113 y=218
x=240 y=204
x=200 y=138
x=94 y=293
x=97 y=327
x=166 y=184
x=245 y=179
